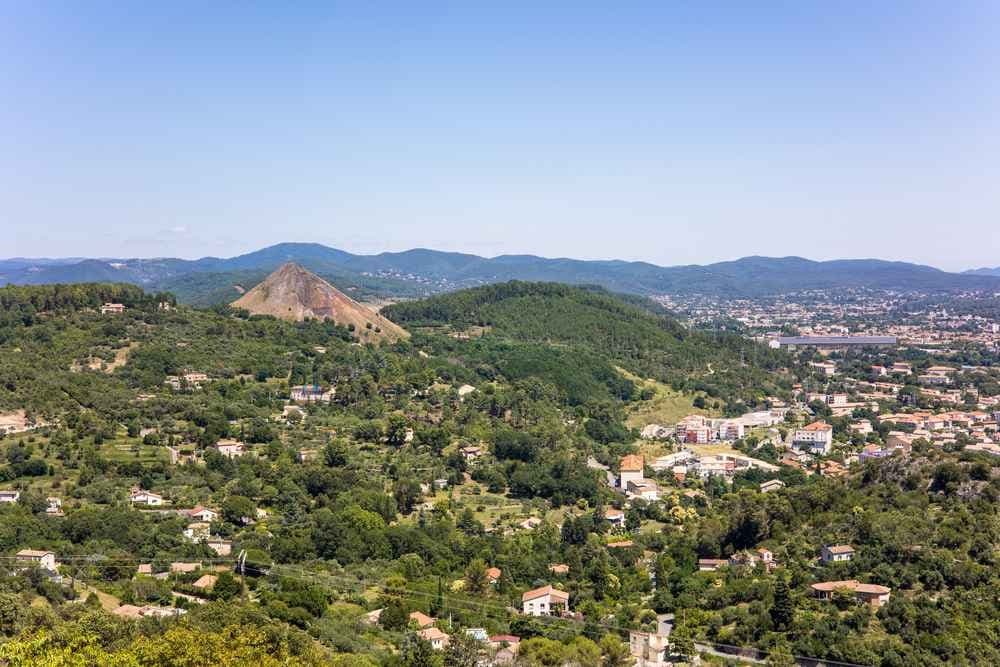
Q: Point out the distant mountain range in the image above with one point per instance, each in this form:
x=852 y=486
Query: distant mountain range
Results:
x=421 y=272
x=985 y=271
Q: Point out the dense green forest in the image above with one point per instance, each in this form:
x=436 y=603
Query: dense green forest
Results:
x=633 y=333
x=372 y=502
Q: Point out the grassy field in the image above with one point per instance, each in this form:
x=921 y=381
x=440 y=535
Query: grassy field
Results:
x=666 y=407
x=122 y=449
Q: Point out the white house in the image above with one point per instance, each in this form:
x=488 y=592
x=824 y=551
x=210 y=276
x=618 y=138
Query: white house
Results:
x=615 y=517
x=197 y=532
x=438 y=639
x=545 y=601
x=771 y=485
x=9 y=496
x=310 y=393
x=837 y=553
x=148 y=498
x=631 y=470
x=43 y=559
x=200 y=513
x=816 y=437
x=827 y=367
x=230 y=448
x=862 y=426
x=472 y=453
x=54 y=506
x=645 y=489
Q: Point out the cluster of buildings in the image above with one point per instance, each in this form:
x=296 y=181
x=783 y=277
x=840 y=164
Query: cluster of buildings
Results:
x=112 y=309
x=311 y=393
x=187 y=380
x=981 y=430
x=840 y=403
x=833 y=315
x=687 y=463
x=831 y=343
x=496 y=649
x=632 y=479
x=747 y=559
x=700 y=430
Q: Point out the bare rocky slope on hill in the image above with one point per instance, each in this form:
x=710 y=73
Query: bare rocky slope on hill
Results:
x=293 y=293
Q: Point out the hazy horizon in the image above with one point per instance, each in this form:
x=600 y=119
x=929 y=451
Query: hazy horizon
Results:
x=666 y=134
x=553 y=257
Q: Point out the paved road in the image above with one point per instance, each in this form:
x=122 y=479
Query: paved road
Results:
x=597 y=465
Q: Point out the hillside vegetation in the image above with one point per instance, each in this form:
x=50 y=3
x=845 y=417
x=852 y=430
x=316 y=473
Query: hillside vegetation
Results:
x=640 y=338
x=372 y=503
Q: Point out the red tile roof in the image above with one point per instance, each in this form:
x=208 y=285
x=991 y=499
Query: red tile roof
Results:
x=543 y=591
x=632 y=463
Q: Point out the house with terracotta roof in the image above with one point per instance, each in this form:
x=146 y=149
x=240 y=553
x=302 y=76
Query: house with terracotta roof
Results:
x=206 y=582
x=200 y=513
x=711 y=564
x=438 y=639
x=422 y=620
x=230 y=448
x=219 y=545
x=816 y=437
x=870 y=594
x=471 y=453
x=493 y=574
x=183 y=568
x=646 y=489
x=631 y=469
x=43 y=559
x=129 y=611
x=499 y=641
x=545 y=601
x=559 y=568
x=139 y=496
x=134 y=613
x=836 y=553
x=771 y=485
x=615 y=517
x=832 y=469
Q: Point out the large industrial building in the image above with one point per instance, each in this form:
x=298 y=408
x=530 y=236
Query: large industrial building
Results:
x=832 y=342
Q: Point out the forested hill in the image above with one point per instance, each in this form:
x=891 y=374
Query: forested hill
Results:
x=212 y=280
x=632 y=333
x=543 y=311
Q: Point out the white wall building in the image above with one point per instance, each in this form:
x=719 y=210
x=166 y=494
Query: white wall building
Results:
x=816 y=437
x=545 y=601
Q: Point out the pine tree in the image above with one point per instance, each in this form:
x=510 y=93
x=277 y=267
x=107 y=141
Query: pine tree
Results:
x=782 y=610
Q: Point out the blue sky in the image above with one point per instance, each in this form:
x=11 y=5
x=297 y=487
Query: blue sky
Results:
x=669 y=132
